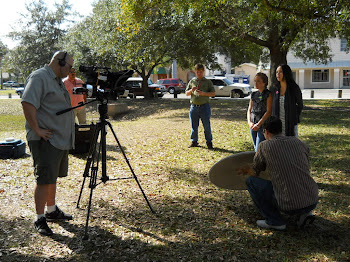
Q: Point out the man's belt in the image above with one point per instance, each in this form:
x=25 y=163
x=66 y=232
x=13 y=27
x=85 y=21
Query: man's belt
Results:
x=199 y=105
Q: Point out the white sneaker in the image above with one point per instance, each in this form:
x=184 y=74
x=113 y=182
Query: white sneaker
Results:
x=263 y=224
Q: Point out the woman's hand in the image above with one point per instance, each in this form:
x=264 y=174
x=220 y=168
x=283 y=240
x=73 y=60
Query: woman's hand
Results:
x=255 y=127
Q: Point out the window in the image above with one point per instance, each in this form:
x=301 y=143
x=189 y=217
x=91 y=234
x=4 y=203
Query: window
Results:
x=346 y=77
x=217 y=82
x=136 y=84
x=320 y=75
x=343 y=44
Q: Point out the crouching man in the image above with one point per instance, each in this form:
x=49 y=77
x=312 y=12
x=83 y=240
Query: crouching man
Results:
x=291 y=190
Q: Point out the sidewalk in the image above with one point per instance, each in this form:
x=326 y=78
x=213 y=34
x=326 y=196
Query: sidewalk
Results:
x=326 y=93
x=307 y=94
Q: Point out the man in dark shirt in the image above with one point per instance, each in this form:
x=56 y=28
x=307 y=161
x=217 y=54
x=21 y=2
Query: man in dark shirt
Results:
x=291 y=190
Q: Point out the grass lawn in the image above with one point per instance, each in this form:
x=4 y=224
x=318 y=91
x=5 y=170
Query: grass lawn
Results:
x=7 y=91
x=194 y=220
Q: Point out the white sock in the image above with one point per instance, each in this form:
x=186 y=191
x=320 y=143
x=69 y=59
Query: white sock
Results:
x=38 y=216
x=51 y=209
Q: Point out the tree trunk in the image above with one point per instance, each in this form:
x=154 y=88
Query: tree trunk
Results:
x=146 y=90
x=277 y=57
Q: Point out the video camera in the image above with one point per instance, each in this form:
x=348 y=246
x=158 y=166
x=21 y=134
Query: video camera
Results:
x=105 y=84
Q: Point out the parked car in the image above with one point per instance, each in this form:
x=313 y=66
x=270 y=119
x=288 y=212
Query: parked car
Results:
x=20 y=91
x=11 y=84
x=172 y=85
x=134 y=86
x=224 y=87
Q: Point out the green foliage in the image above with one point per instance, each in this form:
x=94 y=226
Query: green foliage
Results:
x=114 y=36
x=39 y=33
x=247 y=27
x=3 y=50
x=144 y=34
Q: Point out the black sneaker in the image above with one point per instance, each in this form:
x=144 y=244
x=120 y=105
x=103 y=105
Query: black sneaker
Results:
x=194 y=144
x=210 y=145
x=58 y=214
x=42 y=227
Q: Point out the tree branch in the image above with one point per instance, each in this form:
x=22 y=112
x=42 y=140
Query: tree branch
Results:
x=256 y=40
x=310 y=15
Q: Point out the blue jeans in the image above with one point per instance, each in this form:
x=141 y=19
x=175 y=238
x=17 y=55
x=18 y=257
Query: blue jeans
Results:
x=257 y=137
x=261 y=191
x=200 y=112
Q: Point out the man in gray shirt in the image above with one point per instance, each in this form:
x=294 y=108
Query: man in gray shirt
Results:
x=49 y=136
x=291 y=190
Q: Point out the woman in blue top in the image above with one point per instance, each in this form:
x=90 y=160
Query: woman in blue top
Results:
x=260 y=108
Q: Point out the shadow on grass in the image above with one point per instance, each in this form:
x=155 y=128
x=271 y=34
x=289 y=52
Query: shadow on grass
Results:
x=177 y=233
x=329 y=150
x=336 y=116
x=215 y=225
x=109 y=148
x=341 y=188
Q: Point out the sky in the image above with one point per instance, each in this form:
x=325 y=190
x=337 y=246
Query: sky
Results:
x=11 y=9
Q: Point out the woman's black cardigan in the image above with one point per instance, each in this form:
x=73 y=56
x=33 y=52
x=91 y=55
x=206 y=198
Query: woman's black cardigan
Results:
x=293 y=105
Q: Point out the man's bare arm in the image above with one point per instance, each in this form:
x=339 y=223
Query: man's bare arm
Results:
x=30 y=114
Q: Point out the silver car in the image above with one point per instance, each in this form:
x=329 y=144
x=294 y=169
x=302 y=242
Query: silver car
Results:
x=224 y=87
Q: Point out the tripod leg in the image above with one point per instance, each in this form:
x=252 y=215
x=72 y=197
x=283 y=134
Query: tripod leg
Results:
x=90 y=158
x=92 y=186
x=104 y=176
x=130 y=167
x=93 y=177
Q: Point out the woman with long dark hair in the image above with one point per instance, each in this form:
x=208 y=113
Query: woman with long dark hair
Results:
x=287 y=101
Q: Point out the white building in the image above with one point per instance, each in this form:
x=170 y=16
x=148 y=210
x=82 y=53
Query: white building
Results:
x=335 y=74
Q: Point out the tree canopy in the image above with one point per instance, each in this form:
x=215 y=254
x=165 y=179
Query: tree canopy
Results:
x=277 y=27
x=38 y=32
x=146 y=34
x=116 y=34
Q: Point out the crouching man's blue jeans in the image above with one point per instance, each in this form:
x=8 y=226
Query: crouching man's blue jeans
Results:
x=202 y=112
x=261 y=191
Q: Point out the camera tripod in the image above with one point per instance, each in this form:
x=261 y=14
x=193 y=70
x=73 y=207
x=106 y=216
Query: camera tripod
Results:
x=93 y=160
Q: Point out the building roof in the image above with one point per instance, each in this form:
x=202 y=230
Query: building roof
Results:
x=301 y=65
x=247 y=64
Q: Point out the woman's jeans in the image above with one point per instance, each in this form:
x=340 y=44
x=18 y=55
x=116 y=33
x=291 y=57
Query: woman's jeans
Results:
x=261 y=191
x=202 y=112
x=257 y=137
